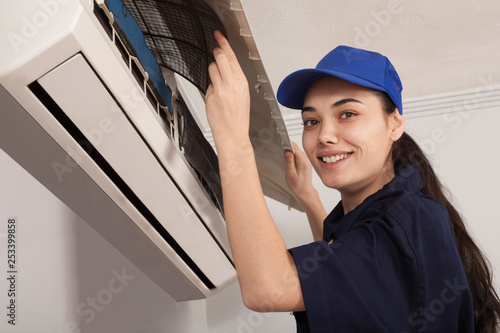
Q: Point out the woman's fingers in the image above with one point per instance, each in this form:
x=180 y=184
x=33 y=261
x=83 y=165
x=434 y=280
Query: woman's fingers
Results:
x=227 y=98
x=224 y=68
x=213 y=72
x=292 y=175
x=291 y=171
x=301 y=159
x=228 y=51
x=298 y=171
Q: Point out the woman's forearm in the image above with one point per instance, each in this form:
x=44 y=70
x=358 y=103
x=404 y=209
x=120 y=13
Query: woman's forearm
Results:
x=299 y=181
x=262 y=260
x=315 y=212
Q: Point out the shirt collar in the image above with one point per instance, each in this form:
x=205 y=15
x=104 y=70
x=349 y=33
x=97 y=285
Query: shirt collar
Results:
x=407 y=179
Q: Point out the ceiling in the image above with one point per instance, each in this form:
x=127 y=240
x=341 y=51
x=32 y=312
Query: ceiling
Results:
x=436 y=46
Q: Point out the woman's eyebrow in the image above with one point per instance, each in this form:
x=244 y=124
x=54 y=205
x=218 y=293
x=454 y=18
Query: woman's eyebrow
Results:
x=308 y=109
x=345 y=101
x=334 y=105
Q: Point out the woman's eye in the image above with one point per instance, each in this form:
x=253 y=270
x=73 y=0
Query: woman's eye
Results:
x=310 y=123
x=347 y=114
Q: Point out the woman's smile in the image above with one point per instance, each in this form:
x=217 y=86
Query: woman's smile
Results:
x=331 y=160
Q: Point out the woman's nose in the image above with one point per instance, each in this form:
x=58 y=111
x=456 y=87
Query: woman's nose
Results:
x=328 y=134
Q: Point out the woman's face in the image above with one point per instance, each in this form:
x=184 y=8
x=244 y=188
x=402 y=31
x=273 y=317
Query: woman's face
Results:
x=348 y=137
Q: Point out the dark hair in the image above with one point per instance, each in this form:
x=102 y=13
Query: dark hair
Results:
x=476 y=266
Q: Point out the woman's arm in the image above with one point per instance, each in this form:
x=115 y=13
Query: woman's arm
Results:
x=299 y=181
x=266 y=271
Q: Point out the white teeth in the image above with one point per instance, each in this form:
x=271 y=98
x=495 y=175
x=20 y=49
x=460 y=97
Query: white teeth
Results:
x=333 y=159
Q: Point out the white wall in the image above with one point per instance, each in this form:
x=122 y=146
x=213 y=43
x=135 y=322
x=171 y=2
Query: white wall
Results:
x=69 y=279
x=464 y=151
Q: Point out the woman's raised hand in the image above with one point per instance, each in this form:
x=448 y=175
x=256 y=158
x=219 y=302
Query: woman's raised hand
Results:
x=227 y=98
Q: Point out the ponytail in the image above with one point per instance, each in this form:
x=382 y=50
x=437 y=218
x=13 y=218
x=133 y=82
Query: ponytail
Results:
x=476 y=266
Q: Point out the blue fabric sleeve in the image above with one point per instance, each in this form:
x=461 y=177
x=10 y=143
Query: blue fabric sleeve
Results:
x=367 y=281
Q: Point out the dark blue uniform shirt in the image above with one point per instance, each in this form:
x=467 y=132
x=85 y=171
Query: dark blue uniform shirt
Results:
x=392 y=266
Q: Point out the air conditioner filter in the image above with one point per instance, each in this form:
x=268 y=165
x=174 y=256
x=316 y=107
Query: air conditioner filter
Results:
x=179 y=33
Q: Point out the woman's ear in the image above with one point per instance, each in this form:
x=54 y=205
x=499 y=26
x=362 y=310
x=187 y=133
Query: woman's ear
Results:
x=397 y=125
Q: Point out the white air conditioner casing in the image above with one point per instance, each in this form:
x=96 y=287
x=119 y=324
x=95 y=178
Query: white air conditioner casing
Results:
x=76 y=115
x=62 y=80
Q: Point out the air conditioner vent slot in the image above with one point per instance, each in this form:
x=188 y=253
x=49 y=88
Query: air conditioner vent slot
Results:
x=103 y=19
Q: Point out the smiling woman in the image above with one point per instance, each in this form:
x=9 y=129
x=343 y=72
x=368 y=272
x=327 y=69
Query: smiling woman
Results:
x=394 y=254
x=340 y=123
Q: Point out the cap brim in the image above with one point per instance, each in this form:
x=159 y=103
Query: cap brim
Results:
x=293 y=89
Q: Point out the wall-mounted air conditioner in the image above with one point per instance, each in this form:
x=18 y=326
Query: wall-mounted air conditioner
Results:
x=79 y=113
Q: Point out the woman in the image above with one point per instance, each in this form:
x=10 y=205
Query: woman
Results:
x=394 y=255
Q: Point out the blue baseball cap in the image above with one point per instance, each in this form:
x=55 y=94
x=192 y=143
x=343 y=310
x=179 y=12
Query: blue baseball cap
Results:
x=366 y=68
